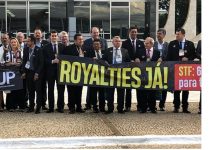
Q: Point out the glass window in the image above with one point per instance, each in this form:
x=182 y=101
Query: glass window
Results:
x=39 y=16
x=120 y=4
x=120 y=22
x=100 y=16
x=81 y=3
x=82 y=19
x=2 y=17
x=16 y=16
x=137 y=17
x=58 y=19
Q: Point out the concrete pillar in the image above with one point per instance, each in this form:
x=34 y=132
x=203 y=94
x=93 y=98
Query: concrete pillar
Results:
x=154 y=20
x=170 y=24
x=190 y=24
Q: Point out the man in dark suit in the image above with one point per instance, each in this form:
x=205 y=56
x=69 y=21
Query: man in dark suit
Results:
x=162 y=47
x=51 y=56
x=41 y=43
x=133 y=45
x=32 y=69
x=88 y=44
x=75 y=91
x=116 y=55
x=96 y=53
x=148 y=97
x=181 y=50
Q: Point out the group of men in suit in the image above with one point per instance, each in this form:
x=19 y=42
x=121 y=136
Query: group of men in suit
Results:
x=41 y=58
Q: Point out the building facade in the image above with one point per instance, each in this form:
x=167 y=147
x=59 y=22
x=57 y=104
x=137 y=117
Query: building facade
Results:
x=113 y=17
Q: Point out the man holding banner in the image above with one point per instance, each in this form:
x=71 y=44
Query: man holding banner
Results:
x=133 y=45
x=116 y=55
x=96 y=53
x=75 y=91
x=88 y=45
x=147 y=97
x=181 y=50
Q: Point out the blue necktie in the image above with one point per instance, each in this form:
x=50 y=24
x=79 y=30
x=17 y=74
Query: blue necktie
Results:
x=54 y=48
x=180 y=45
x=116 y=53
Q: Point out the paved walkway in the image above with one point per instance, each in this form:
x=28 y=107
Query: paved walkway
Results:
x=29 y=125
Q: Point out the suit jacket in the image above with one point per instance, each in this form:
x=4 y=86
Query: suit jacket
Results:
x=43 y=43
x=163 y=50
x=88 y=44
x=72 y=50
x=198 y=50
x=127 y=44
x=38 y=59
x=143 y=57
x=108 y=56
x=49 y=55
x=91 y=53
x=173 y=51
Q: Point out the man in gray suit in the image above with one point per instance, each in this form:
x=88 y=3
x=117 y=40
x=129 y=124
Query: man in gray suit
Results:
x=162 y=47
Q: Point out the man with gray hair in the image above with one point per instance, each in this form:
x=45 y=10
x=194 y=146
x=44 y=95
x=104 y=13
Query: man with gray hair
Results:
x=64 y=38
x=147 y=97
x=116 y=55
x=20 y=37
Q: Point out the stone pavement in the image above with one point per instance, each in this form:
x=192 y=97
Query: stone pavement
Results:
x=27 y=125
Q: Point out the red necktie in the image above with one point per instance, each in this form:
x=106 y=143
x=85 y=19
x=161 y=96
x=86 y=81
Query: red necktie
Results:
x=148 y=53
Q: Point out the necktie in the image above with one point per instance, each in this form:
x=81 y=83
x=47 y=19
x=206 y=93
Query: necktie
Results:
x=55 y=48
x=133 y=45
x=180 y=45
x=116 y=53
x=148 y=53
x=98 y=56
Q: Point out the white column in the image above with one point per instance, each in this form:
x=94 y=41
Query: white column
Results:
x=170 y=24
x=190 y=24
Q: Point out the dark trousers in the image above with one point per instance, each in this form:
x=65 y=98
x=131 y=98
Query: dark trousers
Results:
x=44 y=88
x=128 y=98
x=34 y=86
x=138 y=94
x=101 y=97
x=120 y=98
x=1 y=100
x=74 y=97
x=60 y=100
x=147 y=99
x=26 y=93
x=176 y=102
x=163 y=99
x=88 y=99
x=60 y=89
x=15 y=99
